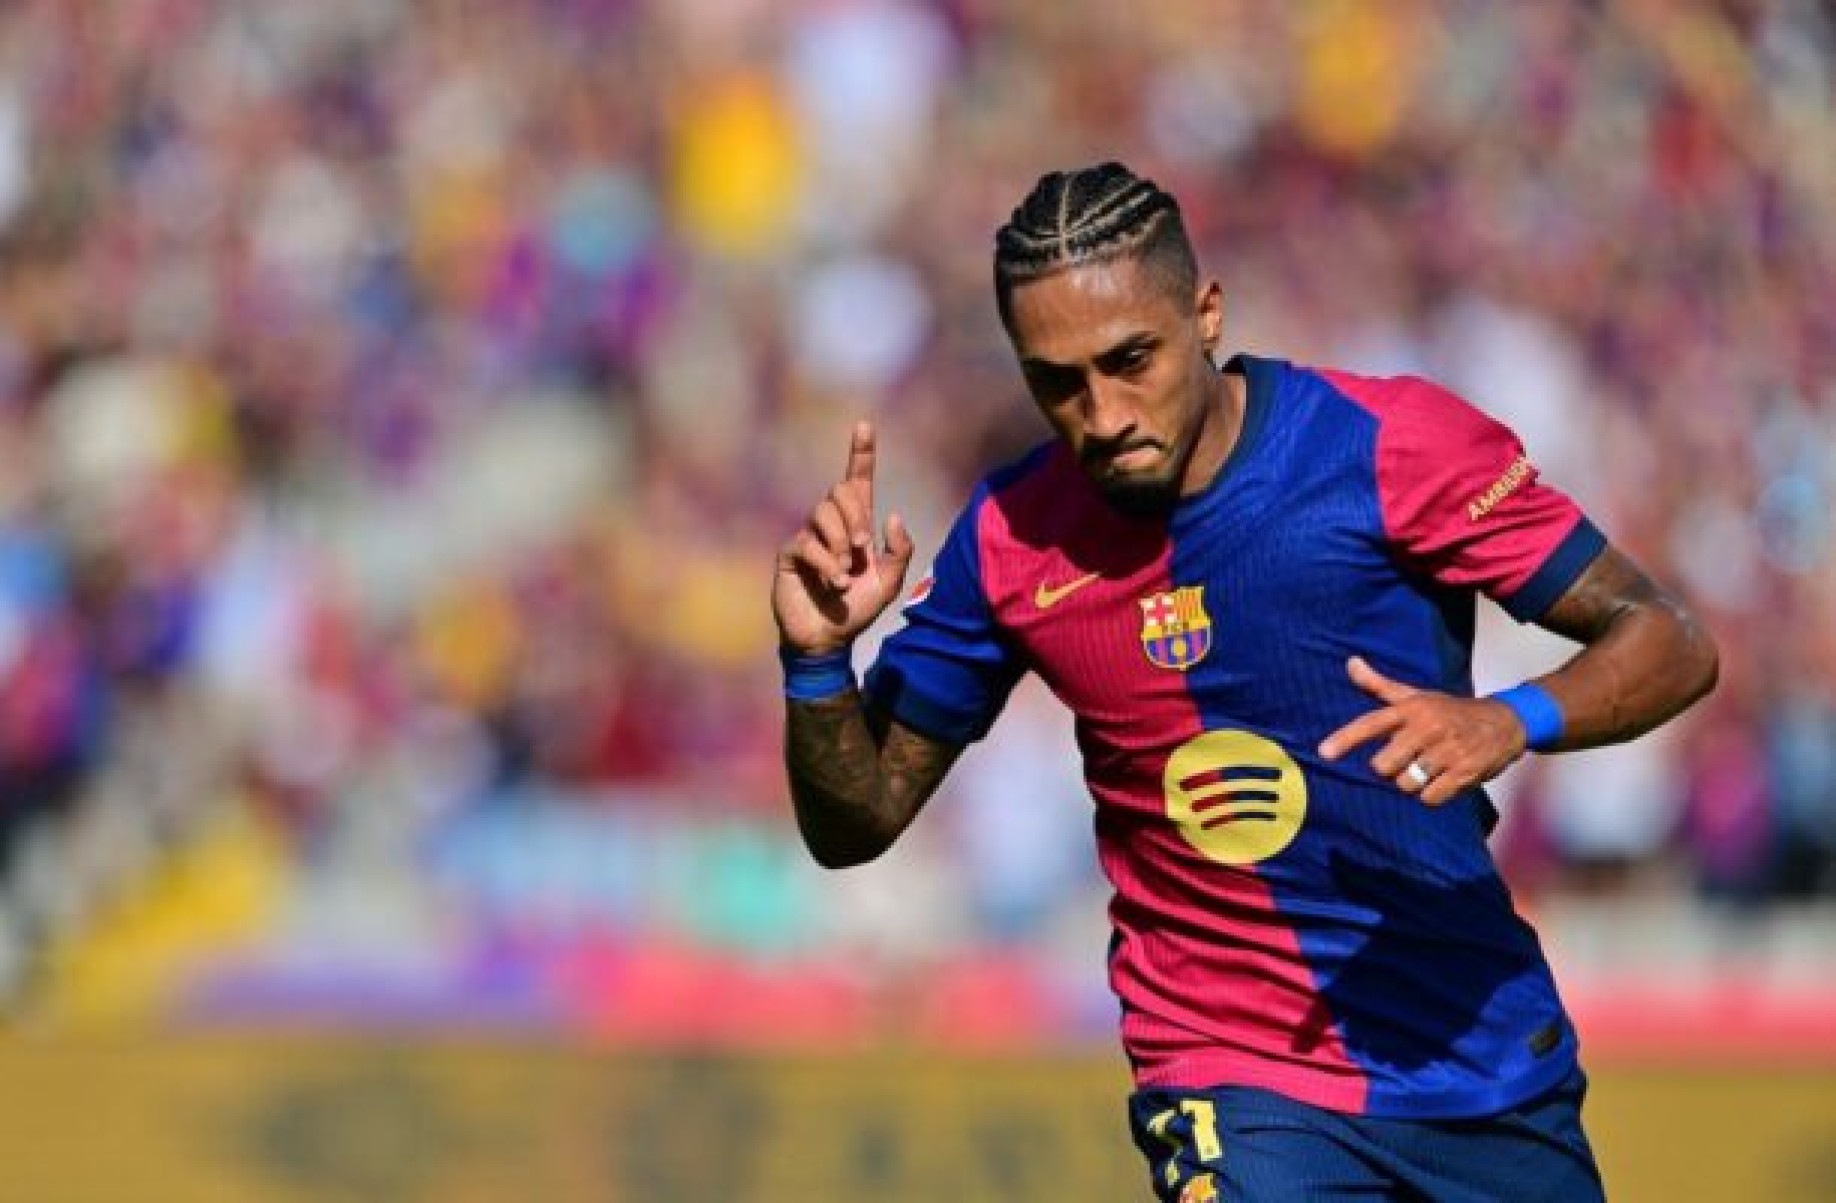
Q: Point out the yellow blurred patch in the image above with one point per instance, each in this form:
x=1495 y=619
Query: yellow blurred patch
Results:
x=1358 y=67
x=467 y=639
x=217 y=893
x=737 y=167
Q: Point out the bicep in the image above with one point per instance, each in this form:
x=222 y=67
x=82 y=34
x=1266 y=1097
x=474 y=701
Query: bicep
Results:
x=1608 y=589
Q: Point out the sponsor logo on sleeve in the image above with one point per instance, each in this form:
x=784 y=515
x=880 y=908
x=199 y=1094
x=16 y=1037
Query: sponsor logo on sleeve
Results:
x=1521 y=470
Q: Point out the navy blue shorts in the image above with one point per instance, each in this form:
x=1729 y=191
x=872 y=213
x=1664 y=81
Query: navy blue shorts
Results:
x=1236 y=1143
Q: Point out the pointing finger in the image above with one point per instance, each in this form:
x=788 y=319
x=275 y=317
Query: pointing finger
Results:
x=855 y=504
x=861 y=453
x=1375 y=683
x=1362 y=729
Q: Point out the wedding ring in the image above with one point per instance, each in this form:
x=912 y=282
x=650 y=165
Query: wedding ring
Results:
x=1417 y=773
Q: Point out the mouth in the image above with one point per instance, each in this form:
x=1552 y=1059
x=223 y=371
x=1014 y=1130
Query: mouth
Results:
x=1136 y=458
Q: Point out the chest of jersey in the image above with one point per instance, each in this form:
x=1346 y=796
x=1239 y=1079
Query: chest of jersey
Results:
x=1243 y=610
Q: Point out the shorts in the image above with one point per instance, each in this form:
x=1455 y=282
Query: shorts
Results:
x=1236 y=1143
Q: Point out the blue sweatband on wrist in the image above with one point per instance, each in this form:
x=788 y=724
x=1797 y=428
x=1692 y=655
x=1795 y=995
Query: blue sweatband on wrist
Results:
x=813 y=678
x=1537 y=711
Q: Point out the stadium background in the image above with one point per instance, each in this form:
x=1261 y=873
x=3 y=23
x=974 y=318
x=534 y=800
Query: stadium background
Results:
x=400 y=404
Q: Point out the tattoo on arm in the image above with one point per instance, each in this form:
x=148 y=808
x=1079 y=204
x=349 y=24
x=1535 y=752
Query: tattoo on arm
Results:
x=857 y=778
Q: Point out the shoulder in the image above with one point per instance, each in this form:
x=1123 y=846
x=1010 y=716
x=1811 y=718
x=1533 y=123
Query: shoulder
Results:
x=1407 y=402
x=1426 y=424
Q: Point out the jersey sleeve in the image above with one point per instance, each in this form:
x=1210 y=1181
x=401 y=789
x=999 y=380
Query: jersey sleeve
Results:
x=947 y=672
x=1463 y=503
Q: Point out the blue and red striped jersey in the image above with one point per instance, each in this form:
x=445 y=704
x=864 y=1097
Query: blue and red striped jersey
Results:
x=1279 y=920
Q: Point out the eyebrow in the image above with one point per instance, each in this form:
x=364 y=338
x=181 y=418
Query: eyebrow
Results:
x=1140 y=340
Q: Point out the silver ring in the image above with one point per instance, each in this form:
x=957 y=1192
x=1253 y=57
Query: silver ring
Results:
x=1417 y=773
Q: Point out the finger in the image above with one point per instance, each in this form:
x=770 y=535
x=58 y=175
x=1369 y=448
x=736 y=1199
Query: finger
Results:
x=899 y=544
x=829 y=527
x=860 y=454
x=1375 y=683
x=856 y=506
x=1362 y=729
x=1395 y=757
x=807 y=556
x=1445 y=788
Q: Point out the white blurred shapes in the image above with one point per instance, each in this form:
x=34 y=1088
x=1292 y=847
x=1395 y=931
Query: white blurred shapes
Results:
x=1524 y=370
x=1197 y=113
x=237 y=65
x=1795 y=448
x=521 y=473
x=109 y=425
x=15 y=162
x=1020 y=818
x=460 y=126
x=1715 y=547
x=864 y=76
x=526 y=470
x=308 y=226
x=1616 y=803
x=860 y=322
x=1796 y=48
x=1506 y=652
x=305 y=737
x=252 y=614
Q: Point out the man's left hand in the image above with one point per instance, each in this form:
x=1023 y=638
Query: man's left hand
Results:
x=1437 y=745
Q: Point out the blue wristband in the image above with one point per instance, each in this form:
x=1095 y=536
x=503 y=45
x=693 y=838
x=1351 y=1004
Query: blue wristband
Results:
x=1537 y=711
x=813 y=678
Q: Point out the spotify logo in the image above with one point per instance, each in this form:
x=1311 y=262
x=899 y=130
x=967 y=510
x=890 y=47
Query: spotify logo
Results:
x=1236 y=797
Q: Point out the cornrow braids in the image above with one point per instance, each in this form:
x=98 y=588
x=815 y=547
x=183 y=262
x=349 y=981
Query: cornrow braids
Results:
x=1092 y=215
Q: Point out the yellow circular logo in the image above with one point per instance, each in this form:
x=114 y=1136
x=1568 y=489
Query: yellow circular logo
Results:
x=1236 y=797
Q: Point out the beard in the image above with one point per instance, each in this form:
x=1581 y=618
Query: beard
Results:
x=1143 y=498
x=1137 y=495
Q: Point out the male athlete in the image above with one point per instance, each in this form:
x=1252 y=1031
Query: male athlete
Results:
x=1236 y=578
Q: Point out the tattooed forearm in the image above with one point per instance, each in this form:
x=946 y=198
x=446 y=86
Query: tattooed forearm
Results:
x=856 y=779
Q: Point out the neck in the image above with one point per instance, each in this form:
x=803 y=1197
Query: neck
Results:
x=1226 y=399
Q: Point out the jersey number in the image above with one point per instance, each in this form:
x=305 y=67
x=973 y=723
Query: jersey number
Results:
x=1204 y=1126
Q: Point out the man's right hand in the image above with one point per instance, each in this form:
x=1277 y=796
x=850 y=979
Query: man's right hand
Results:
x=832 y=580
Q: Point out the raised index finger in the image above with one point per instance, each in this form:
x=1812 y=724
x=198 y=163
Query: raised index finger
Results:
x=860 y=454
x=1363 y=729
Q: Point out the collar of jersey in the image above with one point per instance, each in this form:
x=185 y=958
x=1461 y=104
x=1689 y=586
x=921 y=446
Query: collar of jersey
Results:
x=1260 y=383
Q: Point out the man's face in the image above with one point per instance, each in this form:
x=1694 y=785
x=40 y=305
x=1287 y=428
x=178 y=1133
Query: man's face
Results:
x=1119 y=364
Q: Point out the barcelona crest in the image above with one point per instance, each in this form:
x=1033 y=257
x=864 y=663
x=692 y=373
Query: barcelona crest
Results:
x=1175 y=630
x=1202 y=1189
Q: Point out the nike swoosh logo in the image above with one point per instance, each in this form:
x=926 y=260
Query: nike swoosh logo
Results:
x=1045 y=597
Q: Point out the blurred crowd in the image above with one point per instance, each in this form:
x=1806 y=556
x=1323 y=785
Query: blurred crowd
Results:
x=401 y=402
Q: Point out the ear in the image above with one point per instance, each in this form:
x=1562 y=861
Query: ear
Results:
x=1211 y=315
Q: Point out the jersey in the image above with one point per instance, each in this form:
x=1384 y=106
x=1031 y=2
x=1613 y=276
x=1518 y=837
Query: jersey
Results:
x=1279 y=921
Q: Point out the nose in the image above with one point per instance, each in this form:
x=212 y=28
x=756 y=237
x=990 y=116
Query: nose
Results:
x=1107 y=418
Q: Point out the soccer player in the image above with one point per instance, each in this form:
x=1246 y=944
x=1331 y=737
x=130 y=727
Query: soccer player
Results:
x=1254 y=587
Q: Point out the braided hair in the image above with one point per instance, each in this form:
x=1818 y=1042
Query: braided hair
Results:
x=1092 y=215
